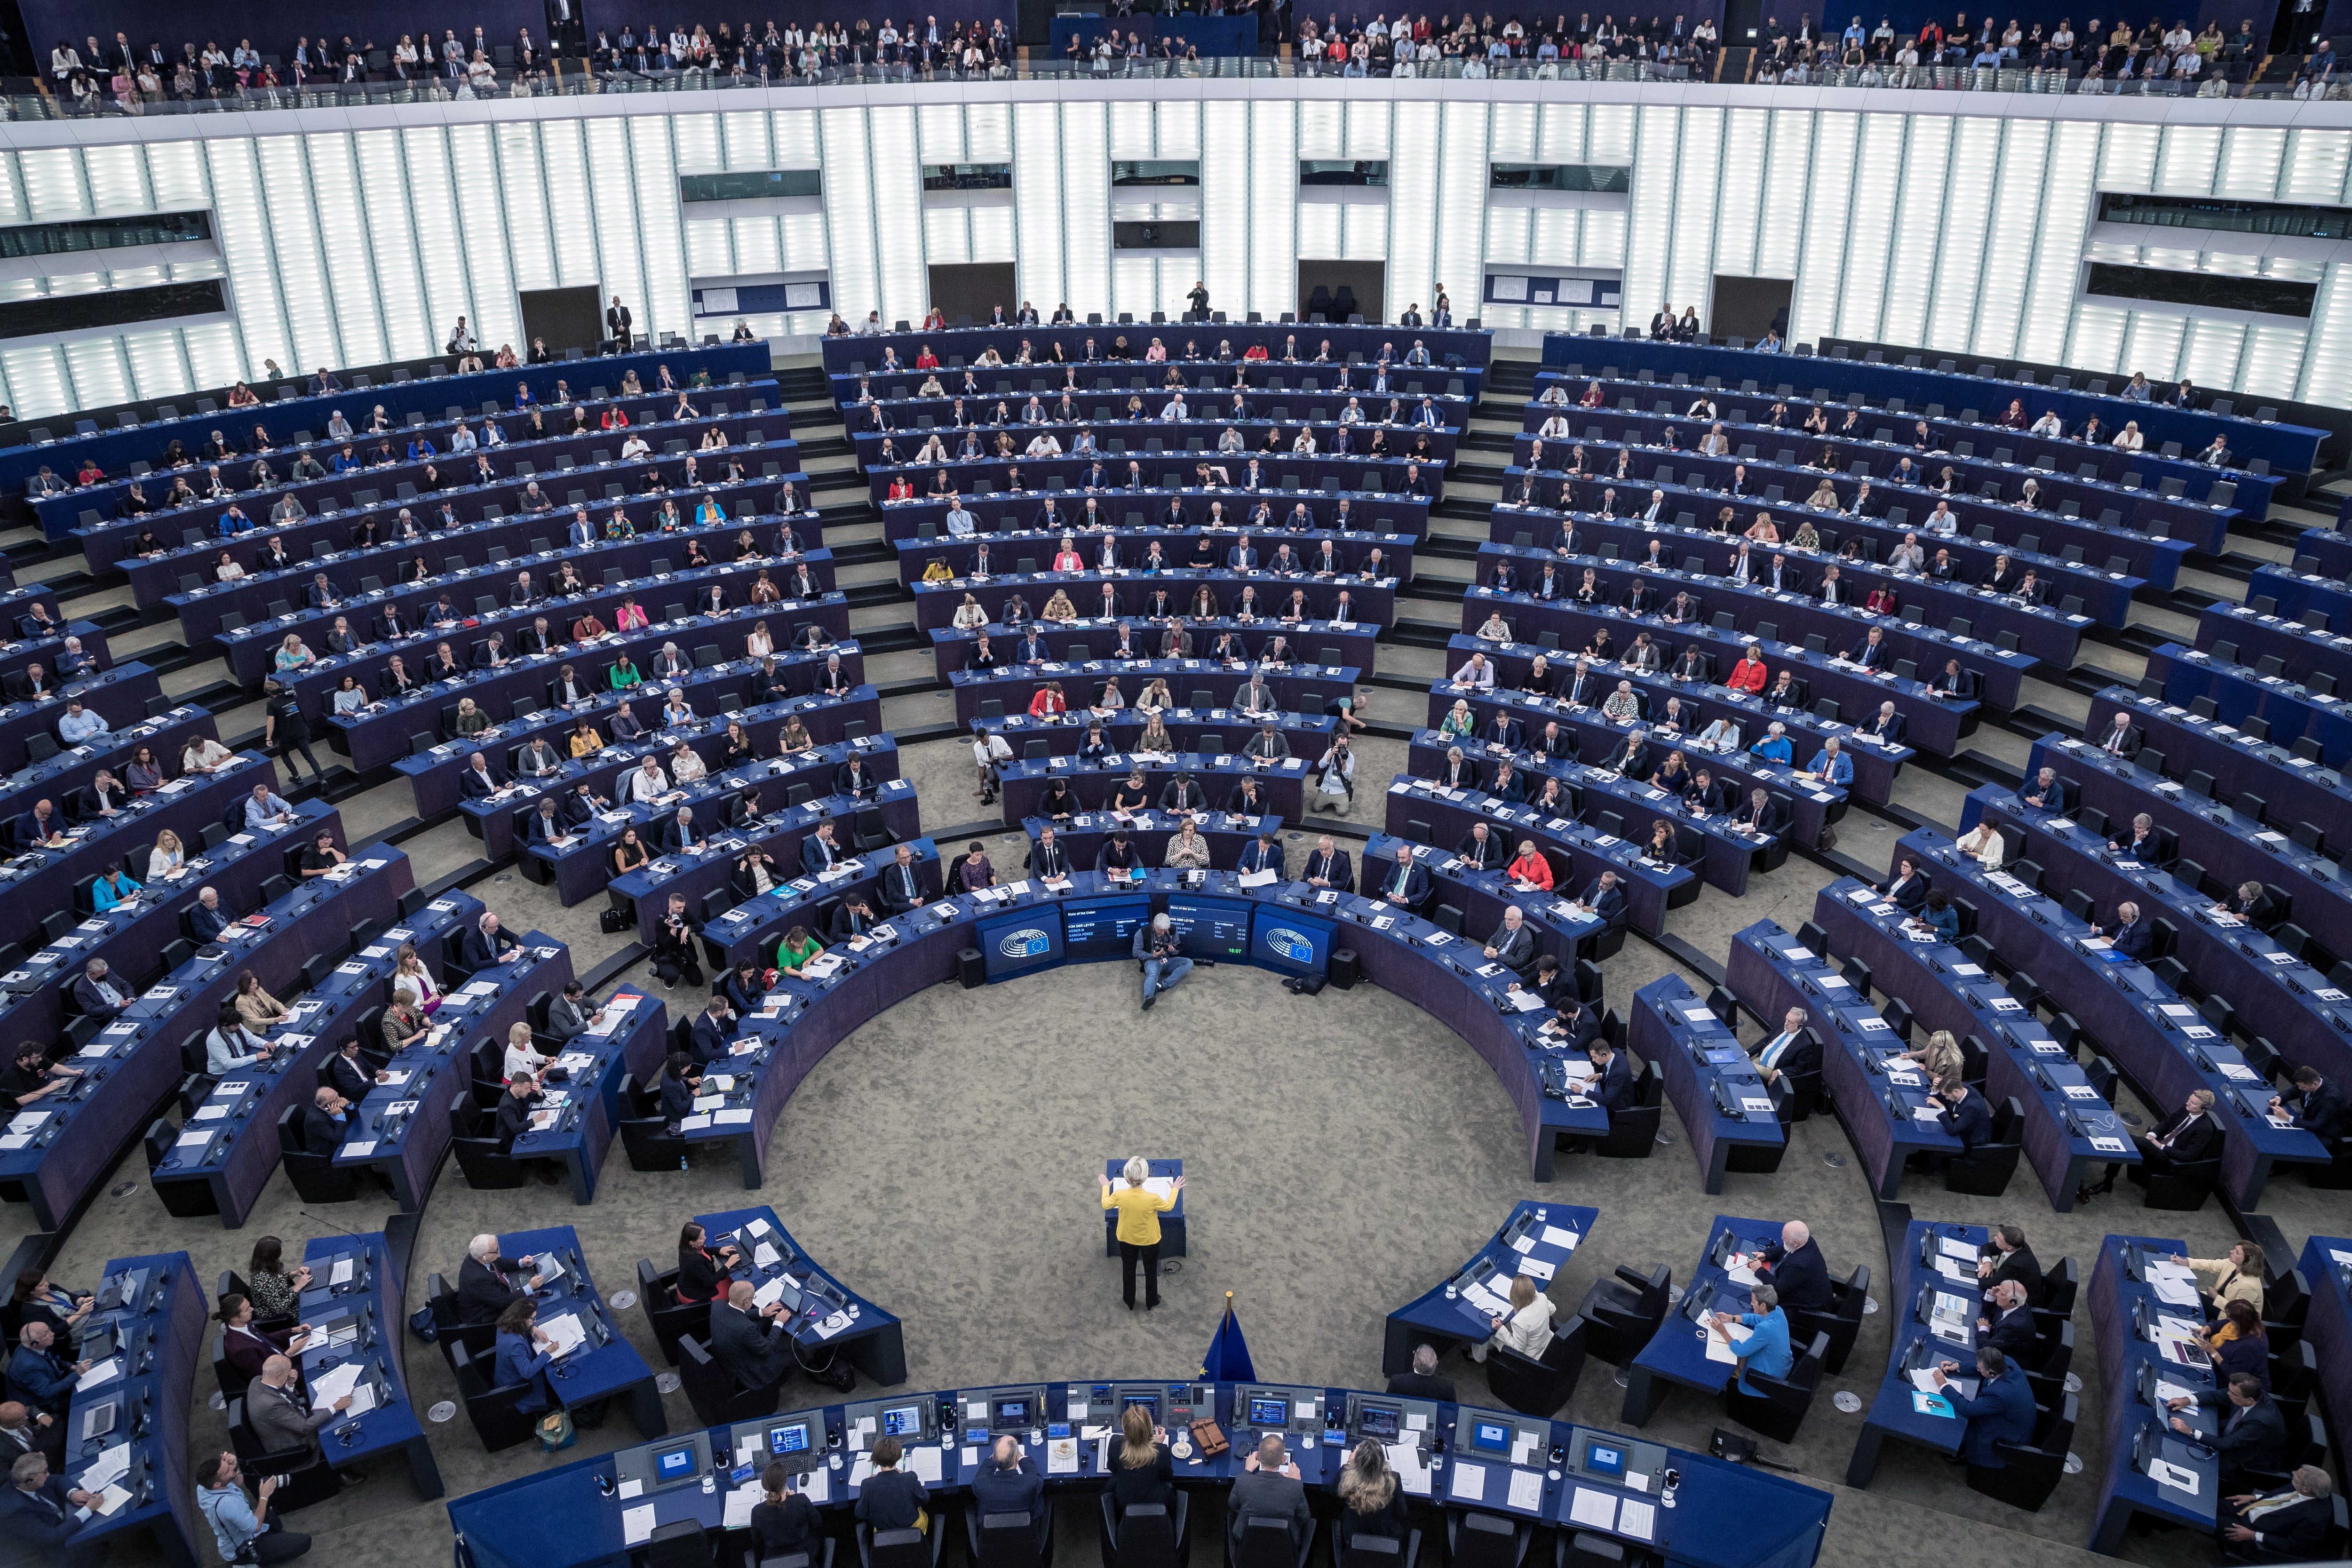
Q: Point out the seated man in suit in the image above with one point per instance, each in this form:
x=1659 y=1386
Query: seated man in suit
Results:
x=1008 y=1481
x=486 y=943
x=901 y=884
x=45 y=825
x=281 y=1415
x=2251 y=904
x=208 y=917
x=1422 y=1382
x=484 y=1287
x=1573 y=1023
x=2121 y=738
x=1871 y=652
x=1269 y=1487
x=1761 y=814
x=1407 y=886
x=479 y=781
x=2187 y=1137
x=1613 y=1076
x=713 y=1027
x=2316 y=1108
x=1482 y=849
x=2001 y=1412
x=97 y=995
x=2254 y=1431
x=324 y=1120
x=854 y=778
x=680 y=836
x=1328 y=867
x=2133 y=937
x=2286 y=1526
x=2005 y=1257
x=1798 y=1272
x=1907 y=888
x=1886 y=725
x=2044 y=791
x=2007 y=1323
x=43 y=1515
x=1604 y=898
x=1513 y=946
x=753 y=1344
x=349 y=1075
x=1791 y=1053
x=2145 y=843
x=394 y=680
x=1263 y=853
x=854 y=917
x=38 y=1373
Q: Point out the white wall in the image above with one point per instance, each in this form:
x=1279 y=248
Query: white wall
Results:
x=1954 y=222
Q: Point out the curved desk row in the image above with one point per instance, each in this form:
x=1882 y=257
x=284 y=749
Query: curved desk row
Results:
x=154 y=1313
x=1349 y=643
x=2296 y=787
x=1191 y=730
x=1938 y=1260
x=2292 y=710
x=695 y=875
x=1290 y=927
x=1649 y=888
x=2070 y=1128
x=1158 y=440
x=2328 y=549
x=371 y=1297
x=1257 y=596
x=1536 y=1240
x=1732 y=1115
x=1281 y=785
x=18 y=656
x=2127 y=1309
x=2273 y=644
x=823 y=1319
x=1281 y=473
x=1283 y=340
x=2153 y=1036
x=1083 y=839
x=1200 y=686
x=1206 y=396
x=923 y=521
x=1198 y=545
x=63 y=774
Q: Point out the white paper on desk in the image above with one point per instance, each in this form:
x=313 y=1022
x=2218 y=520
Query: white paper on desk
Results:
x=860 y=1470
x=693 y=1123
x=209 y=1113
x=1924 y=1379
x=106 y=1370
x=108 y=1499
x=632 y=1489
x=1555 y=1237
x=1925 y=1113
x=832 y=1325
x=2167 y=1391
x=926 y=1460
x=192 y=1140
x=817 y=1486
x=107 y=1469
x=1526 y=1489
x=1406 y=1460
x=740 y=1504
x=2165 y=1473
x=1159 y=1186
x=1598 y=1510
x=773 y=1291
x=637 y=1524
x=360 y=1149
x=329 y=1387
x=1637 y=1518
x=1255 y=879
x=1062 y=1457
x=1469 y=1481
x=1720 y=1349
x=1740 y=1273
x=1526 y=1000
x=1956 y=1273
x=565 y=1330
x=363 y=1399
x=2174 y=1292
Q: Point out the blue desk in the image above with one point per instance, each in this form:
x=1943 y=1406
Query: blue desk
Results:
x=606 y=1365
x=2326 y=1265
x=1883 y=1103
x=1308 y=689
x=2293 y=711
x=1722 y=1516
x=122 y=696
x=1184 y=540
x=1016 y=519
x=832 y=1315
x=163 y=1316
x=1283 y=786
x=581 y=867
x=2124 y=1307
x=1536 y=1240
x=1724 y=1104
x=372 y=1300
x=1371 y=602
x=1936 y=1260
x=1677 y=1353
x=2273 y=644
x=1349 y=643
x=1172 y=1224
x=1575 y=852
x=2297 y=787
x=2329 y=548
x=954 y=346
x=579 y=1133
x=58 y=776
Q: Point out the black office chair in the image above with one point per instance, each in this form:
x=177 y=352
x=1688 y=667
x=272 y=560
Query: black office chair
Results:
x=681 y=1543
x=1622 y=1314
x=486 y=1169
x=1985 y=1172
x=645 y=1138
x=1365 y=1550
x=1147 y=1535
x=717 y=1397
x=665 y=1315
x=1538 y=1388
x=314 y=1177
x=1482 y=1540
x=1007 y=1540
x=1264 y=1542
x=2184 y=1187
x=752 y=1558
x=1778 y=1407
x=2029 y=1472
x=1842 y=1323
x=899 y=1548
x=492 y=1410
x=1633 y=1131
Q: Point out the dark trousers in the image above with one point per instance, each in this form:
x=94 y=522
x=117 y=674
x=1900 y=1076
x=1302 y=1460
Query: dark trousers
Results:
x=1129 y=1252
x=287 y=747
x=2154 y=1161
x=278 y=1544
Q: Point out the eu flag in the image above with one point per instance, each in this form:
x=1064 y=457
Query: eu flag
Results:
x=1228 y=1360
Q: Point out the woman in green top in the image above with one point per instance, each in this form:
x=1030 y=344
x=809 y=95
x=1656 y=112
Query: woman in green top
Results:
x=471 y=721
x=797 y=948
x=1458 y=721
x=625 y=674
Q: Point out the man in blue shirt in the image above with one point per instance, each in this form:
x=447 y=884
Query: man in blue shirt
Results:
x=2001 y=1411
x=264 y=809
x=238 y=1524
x=1831 y=764
x=1774 y=747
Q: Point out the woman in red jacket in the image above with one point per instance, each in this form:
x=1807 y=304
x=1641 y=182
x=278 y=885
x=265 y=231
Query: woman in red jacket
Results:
x=1748 y=675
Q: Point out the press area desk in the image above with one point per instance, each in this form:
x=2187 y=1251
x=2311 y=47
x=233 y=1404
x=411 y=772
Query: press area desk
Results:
x=378 y=735
x=503 y=825
x=781 y=831
x=401 y=1128
x=1937 y=1267
x=1084 y=837
x=2299 y=789
x=372 y=1302
x=2292 y=447
x=1350 y=643
x=1724 y=1103
x=2292 y=712
x=2125 y=1311
x=1373 y=602
x=122 y=696
x=2277 y=995
x=2326 y=1265
x=606 y=1365
x=130 y=937
x=2000 y=673
x=1304 y=687
x=1003 y=519
x=1677 y=1354
x=826 y=1314
x=1175 y=1226
x=57 y=777
x=2302 y=651
x=2155 y=1038
x=1883 y=1104
x=36 y=883
x=1721 y=1515
x=1702 y=568
x=70 y=1139
x=647 y=565
x=436 y=773
x=229 y=1145
x=1026 y=927
x=1178 y=542
x=1283 y=784
x=2069 y=1130
x=154 y=1313
x=1649 y=888
x=1536 y=1240
x=2230 y=845
x=2106 y=599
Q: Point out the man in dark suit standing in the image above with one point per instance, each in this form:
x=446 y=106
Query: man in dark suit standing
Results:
x=1800 y=1274
x=1328 y=867
x=2253 y=1432
x=483 y=1288
x=2187 y=1137
x=616 y=323
x=1422 y=1382
x=753 y=1344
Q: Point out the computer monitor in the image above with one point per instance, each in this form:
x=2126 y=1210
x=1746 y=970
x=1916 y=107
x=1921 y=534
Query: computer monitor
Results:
x=98 y=1420
x=672 y=1462
x=1268 y=1410
x=1612 y=1461
x=1014 y=1410
x=1485 y=1435
x=1385 y=1422
x=797 y=1440
x=907 y=1418
x=1268 y=1407
x=903 y=1422
x=1389 y=1418
x=1148 y=1398
x=1603 y=1458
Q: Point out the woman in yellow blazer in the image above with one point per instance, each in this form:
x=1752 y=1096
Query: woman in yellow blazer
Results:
x=2237 y=1278
x=1139 y=1209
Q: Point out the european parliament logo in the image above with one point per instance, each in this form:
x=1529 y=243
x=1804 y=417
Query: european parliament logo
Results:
x=1295 y=946
x=1029 y=943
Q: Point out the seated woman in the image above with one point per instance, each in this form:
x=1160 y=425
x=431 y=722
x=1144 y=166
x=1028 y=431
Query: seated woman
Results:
x=112 y=887
x=257 y=1008
x=1763 y=1347
x=1528 y=868
x=1983 y=844
x=1526 y=1329
x=1763 y=531
x=1059 y=609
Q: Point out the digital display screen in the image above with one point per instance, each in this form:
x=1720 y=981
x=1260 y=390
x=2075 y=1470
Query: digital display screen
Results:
x=1490 y=1436
x=1207 y=929
x=1604 y=1460
x=1102 y=928
x=1379 y=1421
x=1292 y=943
x=903 y=1421
x=1020 y=943
x=674 y=1464
x=792 y=1439
x=1014 y=1412
x=1148 y=1403
x=1274 y=1412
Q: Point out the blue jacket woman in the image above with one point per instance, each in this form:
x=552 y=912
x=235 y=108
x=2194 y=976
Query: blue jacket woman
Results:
x=1764 y=1347
x=112 y=887
x=520 y=1359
